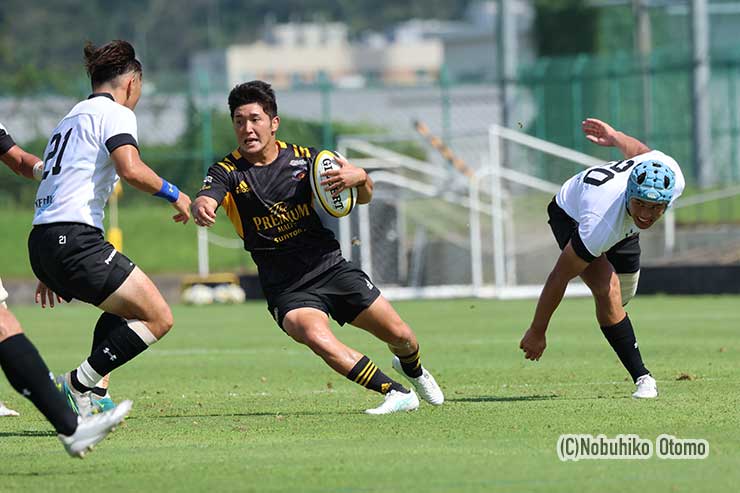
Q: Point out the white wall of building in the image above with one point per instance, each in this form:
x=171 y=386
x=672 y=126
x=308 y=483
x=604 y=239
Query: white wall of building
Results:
x=284 y=64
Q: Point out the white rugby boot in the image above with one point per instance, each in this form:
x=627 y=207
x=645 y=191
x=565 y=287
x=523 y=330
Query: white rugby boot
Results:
x=396 y=402
x=6 y=411
x=425 y=384
x=80 y=402
x=647 y=388
x=92 y=429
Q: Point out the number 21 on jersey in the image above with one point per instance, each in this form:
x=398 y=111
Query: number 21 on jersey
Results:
x=55 y=141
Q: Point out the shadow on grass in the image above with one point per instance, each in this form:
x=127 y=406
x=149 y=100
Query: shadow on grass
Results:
x=36 y=474
x=526 y=398
x=27 y=433
x=246 y=415
x=493 y=398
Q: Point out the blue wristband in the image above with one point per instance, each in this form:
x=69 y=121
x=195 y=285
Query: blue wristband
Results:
x=168 y=191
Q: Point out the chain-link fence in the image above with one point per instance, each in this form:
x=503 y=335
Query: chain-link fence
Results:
x=182 y=132
x=650 y=99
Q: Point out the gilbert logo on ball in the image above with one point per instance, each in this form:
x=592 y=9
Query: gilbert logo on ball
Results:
x=338 y=206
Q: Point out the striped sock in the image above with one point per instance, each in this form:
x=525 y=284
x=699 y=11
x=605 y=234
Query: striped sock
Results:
x=370 y=376
x=411 y=364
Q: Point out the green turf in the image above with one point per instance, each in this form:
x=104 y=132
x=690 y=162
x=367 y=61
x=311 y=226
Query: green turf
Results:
x=228 y=403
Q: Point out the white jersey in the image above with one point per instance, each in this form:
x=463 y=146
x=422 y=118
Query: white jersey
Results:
x=78 y=173
x=595 y=199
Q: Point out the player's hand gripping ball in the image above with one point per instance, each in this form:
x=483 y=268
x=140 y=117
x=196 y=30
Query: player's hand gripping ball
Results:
x=338 y=206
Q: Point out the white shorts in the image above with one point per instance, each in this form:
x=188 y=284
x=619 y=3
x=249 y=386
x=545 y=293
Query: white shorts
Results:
x=3 y=294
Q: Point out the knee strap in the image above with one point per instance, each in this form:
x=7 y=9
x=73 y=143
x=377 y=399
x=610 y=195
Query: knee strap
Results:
x=628 y=284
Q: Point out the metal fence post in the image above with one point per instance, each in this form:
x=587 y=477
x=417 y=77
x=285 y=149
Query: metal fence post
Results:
x=444 y=89
x=732 y=102
x=497 y=218
x=366 y=257
x=325 y=87
x=207 y=147
x=476 y=255
x=577 y=96
x=345 y=225
x=670 y=232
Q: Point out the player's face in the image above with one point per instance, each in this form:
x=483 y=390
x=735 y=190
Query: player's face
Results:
x=645 y=213
x=254 y=128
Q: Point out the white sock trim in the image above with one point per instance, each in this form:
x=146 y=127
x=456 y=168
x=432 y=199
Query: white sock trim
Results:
x=87 y=376
x=142 y=331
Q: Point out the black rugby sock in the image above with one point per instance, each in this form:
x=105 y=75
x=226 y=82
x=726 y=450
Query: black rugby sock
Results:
x=104 y=326
x=621 y=336
x=100 y=391
x=370 y=376
x=121 y=346
x=29 y=375
x=411 y=364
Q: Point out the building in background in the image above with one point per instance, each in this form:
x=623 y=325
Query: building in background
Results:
x=411 y=53
x=296 y=54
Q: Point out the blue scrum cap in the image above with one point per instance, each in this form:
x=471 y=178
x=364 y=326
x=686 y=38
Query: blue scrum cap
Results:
x=652 y=181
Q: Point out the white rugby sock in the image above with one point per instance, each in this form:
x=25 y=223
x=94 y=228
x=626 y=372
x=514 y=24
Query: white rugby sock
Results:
x=87 y=376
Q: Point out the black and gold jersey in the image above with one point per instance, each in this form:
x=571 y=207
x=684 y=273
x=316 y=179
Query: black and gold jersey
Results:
x=271 y=209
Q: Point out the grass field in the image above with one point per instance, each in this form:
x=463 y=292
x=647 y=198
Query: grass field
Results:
x=228 y=403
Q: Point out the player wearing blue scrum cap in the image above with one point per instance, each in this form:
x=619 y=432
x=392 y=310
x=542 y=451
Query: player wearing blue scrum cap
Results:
x=596 y=218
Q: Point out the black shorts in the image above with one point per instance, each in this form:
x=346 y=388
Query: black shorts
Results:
x=624 y=256
x=76 y=262
x=342 y=292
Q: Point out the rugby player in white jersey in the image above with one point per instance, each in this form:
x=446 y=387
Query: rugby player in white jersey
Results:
x=21 y=362
x=89 y=149
x=596 y=218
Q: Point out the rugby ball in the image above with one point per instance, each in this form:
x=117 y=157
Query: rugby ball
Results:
x=198 y=294
x=340 y=205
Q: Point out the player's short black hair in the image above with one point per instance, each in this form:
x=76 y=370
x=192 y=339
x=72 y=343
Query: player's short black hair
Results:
x=255 y=91
x=107 y=62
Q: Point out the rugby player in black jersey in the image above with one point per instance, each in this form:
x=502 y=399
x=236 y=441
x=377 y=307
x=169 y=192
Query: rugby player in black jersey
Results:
x=264 y=188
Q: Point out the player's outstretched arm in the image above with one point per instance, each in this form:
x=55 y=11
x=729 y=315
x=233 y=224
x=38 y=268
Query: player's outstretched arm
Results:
x=603 y=134
x=140 y=176
x=348 y=176
x=568 y=266
x=23 y=163
x=204 y=211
